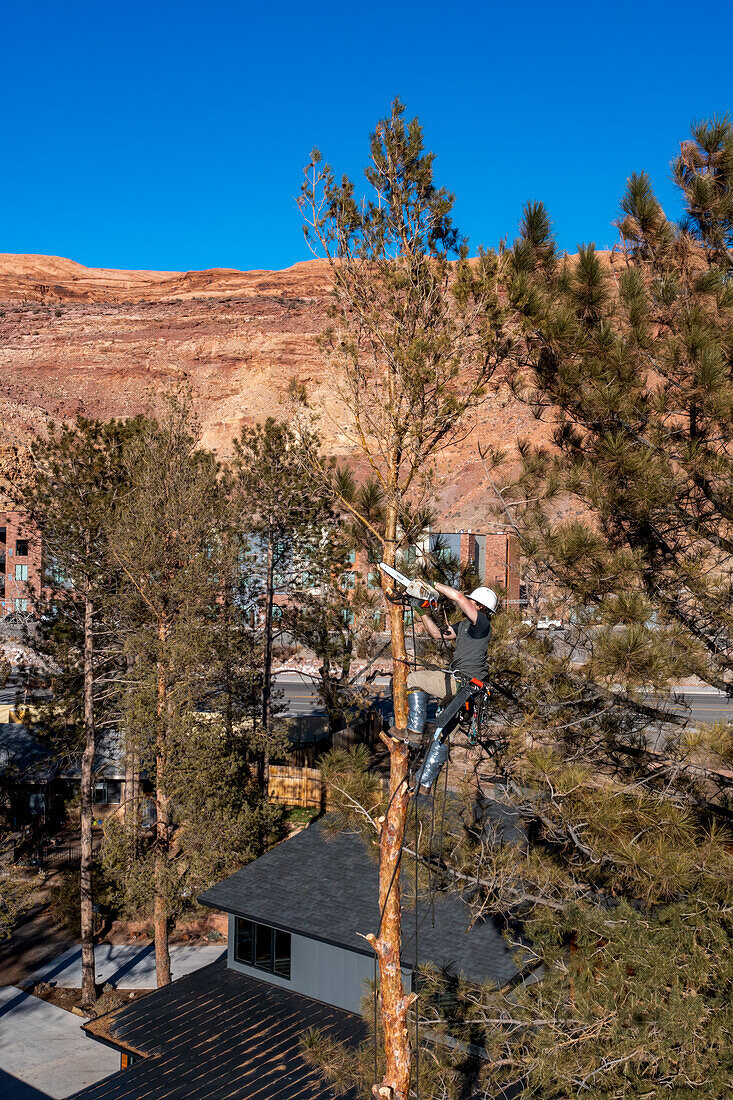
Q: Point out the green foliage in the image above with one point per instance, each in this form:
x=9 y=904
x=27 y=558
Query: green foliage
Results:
x=220 y=820
x=415 y=328
x=633 y=371
x=596 y=825
x=356 y=793
x=79 y=479
x=292 y=525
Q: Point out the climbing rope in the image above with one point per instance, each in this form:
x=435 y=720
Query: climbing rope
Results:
x=398 y=862
x=417 y=931
x=432 y=880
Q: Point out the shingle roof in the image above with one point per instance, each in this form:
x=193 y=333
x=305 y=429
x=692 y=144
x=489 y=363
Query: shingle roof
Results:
x=25 y=754
x=326 y=887
x=22 y=754
x=219 y=1035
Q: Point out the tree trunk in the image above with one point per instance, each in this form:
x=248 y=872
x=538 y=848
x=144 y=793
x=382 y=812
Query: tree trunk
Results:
x=131 y=804
x=394 y=1003
x=88 y=977
x=267 y=671
x=160 y=910
x=131 y=808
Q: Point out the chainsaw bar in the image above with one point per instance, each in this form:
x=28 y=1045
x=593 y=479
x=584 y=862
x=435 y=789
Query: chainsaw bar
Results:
x=416 y=589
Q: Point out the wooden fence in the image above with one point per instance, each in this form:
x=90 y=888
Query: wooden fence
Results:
x=296 y=786
x=299 y=782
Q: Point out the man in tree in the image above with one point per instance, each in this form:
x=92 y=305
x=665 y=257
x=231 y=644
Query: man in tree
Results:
x=469 y=657
x=415 y=333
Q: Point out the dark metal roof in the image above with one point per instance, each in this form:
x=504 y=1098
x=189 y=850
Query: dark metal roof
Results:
x=219 y=1035
x=326 y=887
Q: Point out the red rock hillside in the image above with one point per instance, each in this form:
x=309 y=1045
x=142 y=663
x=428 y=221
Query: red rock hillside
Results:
x=100 y=342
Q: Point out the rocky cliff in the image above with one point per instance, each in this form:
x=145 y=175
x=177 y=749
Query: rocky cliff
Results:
x=102 y=342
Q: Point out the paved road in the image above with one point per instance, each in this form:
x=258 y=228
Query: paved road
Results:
x=704 y=706
x=300 y=695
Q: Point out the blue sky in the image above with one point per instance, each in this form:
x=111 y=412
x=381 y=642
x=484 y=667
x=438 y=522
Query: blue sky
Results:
x=173 y=135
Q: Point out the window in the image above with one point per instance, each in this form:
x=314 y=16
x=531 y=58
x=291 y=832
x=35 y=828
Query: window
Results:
x=2 y=584
x=351 y=557
x=263 y=947
x=21 y=572
x=114 y=791
x=3 y=531
x=21 y=605
x=372 y=580
x=348 y=581
x=107 y=791
x=21 y=548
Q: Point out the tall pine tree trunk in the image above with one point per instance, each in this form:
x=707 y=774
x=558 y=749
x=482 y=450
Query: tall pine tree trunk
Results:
x=131 y=809
x=269 y=604
x=394 y=1003
x=162 y=813
x=88 y=982
x=131 y=806
x=267 y=670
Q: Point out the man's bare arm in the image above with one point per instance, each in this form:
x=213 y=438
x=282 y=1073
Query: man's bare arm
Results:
x=435 y=632
x=467 y=606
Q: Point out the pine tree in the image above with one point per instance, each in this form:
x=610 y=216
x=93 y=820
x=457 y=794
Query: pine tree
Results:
x=164 y=540
x=288 y=520
x=413 y=338
x=602 y=839
x=632 y=363
x=79 y=477
x=621 y=872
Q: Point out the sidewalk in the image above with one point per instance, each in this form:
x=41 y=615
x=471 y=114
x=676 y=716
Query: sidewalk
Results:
x=126 y=966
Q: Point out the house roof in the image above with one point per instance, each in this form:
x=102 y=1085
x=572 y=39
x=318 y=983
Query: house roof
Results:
x=325 y=887
x=218 y=1035
x=23 y=754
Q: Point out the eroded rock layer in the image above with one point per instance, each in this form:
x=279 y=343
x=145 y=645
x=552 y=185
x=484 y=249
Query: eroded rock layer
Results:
x=103 y=343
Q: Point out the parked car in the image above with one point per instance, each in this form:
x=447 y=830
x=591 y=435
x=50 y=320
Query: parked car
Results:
x=544 y=623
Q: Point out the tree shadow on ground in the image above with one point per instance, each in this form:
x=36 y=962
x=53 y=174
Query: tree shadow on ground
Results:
x=12 y=1088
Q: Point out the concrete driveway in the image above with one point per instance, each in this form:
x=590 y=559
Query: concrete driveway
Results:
x=126 y=966
x=43 y=1051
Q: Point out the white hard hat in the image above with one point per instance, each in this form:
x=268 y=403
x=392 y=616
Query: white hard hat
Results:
x=487 y=597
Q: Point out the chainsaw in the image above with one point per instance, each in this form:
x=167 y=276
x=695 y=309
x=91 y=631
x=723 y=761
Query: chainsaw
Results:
x=426 y=596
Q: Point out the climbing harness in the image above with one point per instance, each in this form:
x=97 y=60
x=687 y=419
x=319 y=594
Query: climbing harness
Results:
x=461 y=710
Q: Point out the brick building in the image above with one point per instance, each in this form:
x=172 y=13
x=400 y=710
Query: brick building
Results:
x=493 y=556
x=20 y=559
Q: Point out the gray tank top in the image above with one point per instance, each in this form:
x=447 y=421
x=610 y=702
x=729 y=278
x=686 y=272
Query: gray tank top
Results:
x=472 y=643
